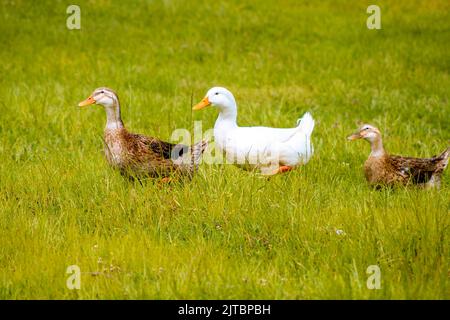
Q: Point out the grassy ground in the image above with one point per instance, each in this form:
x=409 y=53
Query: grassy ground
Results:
x=228 y=233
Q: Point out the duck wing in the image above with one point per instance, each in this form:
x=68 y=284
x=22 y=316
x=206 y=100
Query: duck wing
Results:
x=161 y=149
x=420 y=170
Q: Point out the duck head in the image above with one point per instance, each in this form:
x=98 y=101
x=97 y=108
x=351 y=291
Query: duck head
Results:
x=218 y=97
x=373 y=136
x=108 y=99
x=366 y=132
x=102 y=96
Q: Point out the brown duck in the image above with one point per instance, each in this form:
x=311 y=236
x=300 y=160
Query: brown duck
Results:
x=384 y=169
x=136 y=155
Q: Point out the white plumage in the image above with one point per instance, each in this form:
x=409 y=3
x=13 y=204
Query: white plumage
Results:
x=271 y=150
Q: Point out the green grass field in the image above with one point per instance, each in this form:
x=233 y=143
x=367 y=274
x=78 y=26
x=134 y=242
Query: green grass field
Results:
x=227 y=234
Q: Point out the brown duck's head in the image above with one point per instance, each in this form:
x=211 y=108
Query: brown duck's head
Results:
x=367 y=132
x=103 y=96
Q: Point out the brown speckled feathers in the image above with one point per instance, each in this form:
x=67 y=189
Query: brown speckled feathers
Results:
x=384 y=169
x=137 y=155
x=390 y=169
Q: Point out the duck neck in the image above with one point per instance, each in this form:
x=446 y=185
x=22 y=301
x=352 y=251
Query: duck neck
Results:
x=377 y=149
x=113 y=119
x=228 y=115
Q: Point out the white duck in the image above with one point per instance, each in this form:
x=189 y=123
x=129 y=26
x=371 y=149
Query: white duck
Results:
x=271 y=150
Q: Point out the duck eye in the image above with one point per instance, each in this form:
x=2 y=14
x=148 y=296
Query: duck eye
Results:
x=216 y=93
x=102 y=91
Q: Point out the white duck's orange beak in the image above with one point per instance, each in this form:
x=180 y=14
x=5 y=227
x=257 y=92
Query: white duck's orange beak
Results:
x=87 y=102
x=202 y=104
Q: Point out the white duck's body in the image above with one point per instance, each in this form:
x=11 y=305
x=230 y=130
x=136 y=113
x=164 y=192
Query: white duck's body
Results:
x=263 y=148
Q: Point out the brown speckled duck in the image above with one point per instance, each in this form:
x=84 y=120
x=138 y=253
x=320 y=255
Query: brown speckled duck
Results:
x=136 y=155
x=384 y=169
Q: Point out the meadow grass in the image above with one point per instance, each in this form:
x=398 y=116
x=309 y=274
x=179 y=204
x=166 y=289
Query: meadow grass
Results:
x=227 y=234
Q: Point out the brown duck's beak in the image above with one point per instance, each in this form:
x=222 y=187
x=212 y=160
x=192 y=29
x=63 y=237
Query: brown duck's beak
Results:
x=87 y=102
x=202 y=104
x=354 y=136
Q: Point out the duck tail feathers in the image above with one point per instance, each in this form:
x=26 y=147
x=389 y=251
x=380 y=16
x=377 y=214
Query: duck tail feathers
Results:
x=445 y=157
x=197 y=151
x=306 y=124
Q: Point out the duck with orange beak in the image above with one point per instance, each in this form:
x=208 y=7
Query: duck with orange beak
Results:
x=382 y=168
x=269 y=150
x=137 y=155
